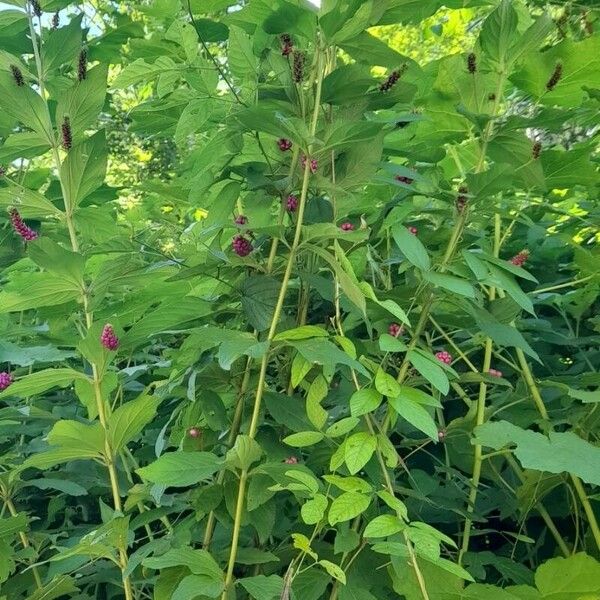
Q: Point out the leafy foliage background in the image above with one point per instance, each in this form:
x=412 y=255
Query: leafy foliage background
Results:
x=387 y=387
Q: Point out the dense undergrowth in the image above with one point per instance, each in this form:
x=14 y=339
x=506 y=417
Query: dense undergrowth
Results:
x=286 y=313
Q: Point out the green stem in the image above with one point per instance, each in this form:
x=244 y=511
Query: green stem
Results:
x=271 y=334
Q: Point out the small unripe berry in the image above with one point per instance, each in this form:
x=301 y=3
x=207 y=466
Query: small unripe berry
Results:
x=20 y=227
x=413 y=230
x=347 y=227
x=495 y=373
x=471 y=63
x=241 y=245
x=284 y=144
x=108 y=338
x=17 y=75
x=404 y=179
x=555 y=77
x=444 y=357
x=395 y=329
x=491 y=96
x=194 y=432
x=520 y=259
x=291 y=460
x=291 y=203
x=67 y=135
x=5 y=380
x=442 y=435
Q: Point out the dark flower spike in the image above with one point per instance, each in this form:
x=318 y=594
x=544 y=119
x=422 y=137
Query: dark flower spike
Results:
x=472 y=62
x=20 y=227
x=462 y=199
x=298 y=67
x=67 y=134
x=286 y=44
x=536 y=150
x=17 y=75
x=55 y=20
x=82 y=65
x=36 y=8
x=392 y=80
x=555 y=77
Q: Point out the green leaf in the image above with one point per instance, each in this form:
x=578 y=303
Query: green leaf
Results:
x=9 y=526
x=192 y=586
x=347 y=506
x=348 y=484
x=323 y=352
x=364 y=401
x=301 y=333
x=342 y=427
x=499 y=33
x=303 y=438
x=23 y=144
x=139 y=71
x=259 y=296
x=29 y=203
x=242 y=61
x=83 y=102
x=575 y=577
x=412 y=247
x=429 y=368
x=41 y=381
x=359 y=449
x=385 y=384
x=556 y=453
x=181 y=468
x=59 y=586
x=262 y=587
x=416 y=415
x=128 y=420
x=245 y=451
x=30 y=355
x=449 y=282
x=88 y=438
x=383 y=526
x=334 y=570
x=62 y=45
x=84 y=168
x=313 y=510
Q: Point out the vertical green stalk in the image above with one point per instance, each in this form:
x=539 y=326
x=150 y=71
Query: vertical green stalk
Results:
x=272 y=329
x=109 y=454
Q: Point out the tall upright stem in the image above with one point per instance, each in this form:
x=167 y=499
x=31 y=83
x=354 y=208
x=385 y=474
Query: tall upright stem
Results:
x=273 y=328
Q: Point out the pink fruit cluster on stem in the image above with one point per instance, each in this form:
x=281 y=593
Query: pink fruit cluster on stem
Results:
x=5 y=380
x=241 y=245
x=284 y=144
x=291 y=460
x=413 y=230
x=20 y=227
x=241 y=220
x=313 y=164
x=444 y=357
x=395 y=329
x=495 y=373
x=520 y=259
x=108 y=338
x=291 y=203
x=194 y=432
x=347 y=227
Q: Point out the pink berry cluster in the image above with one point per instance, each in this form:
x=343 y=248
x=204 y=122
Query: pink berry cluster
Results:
x=20 y=227
x=286 y=44
x=291 y=460
x=520 y=259
x=495 y=373
x=284 y=144
x=313 y=164
x=194 y=432
x=291 y=203
x=347 y=227
x=5 y=380
x=404 y=179
x=413 y=230
x=241 y=245
x=395 y=329
x=298 y=67
x=241 y=220
x=444 y=357
x=108 y=338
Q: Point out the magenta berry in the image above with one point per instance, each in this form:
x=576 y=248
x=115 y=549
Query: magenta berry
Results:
x=347 y=227
x=395 y=329
x=284 y=144
x=291 y=203
x=495 y=373
x=392 y=80
x=241 y=245
x=555 y=77
x=444 y=357
x=313 y=165
x=241 y=220
x=291 y=460
x=194 y=432
x=520 y=259
x=471 y=63
x=20 y=227
x=67 y=134
x=82 y=65
x=404 y=179
x=413 y=230
x=108 y=338
x=17 y=75
x=286 y=44
x=5 y=380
